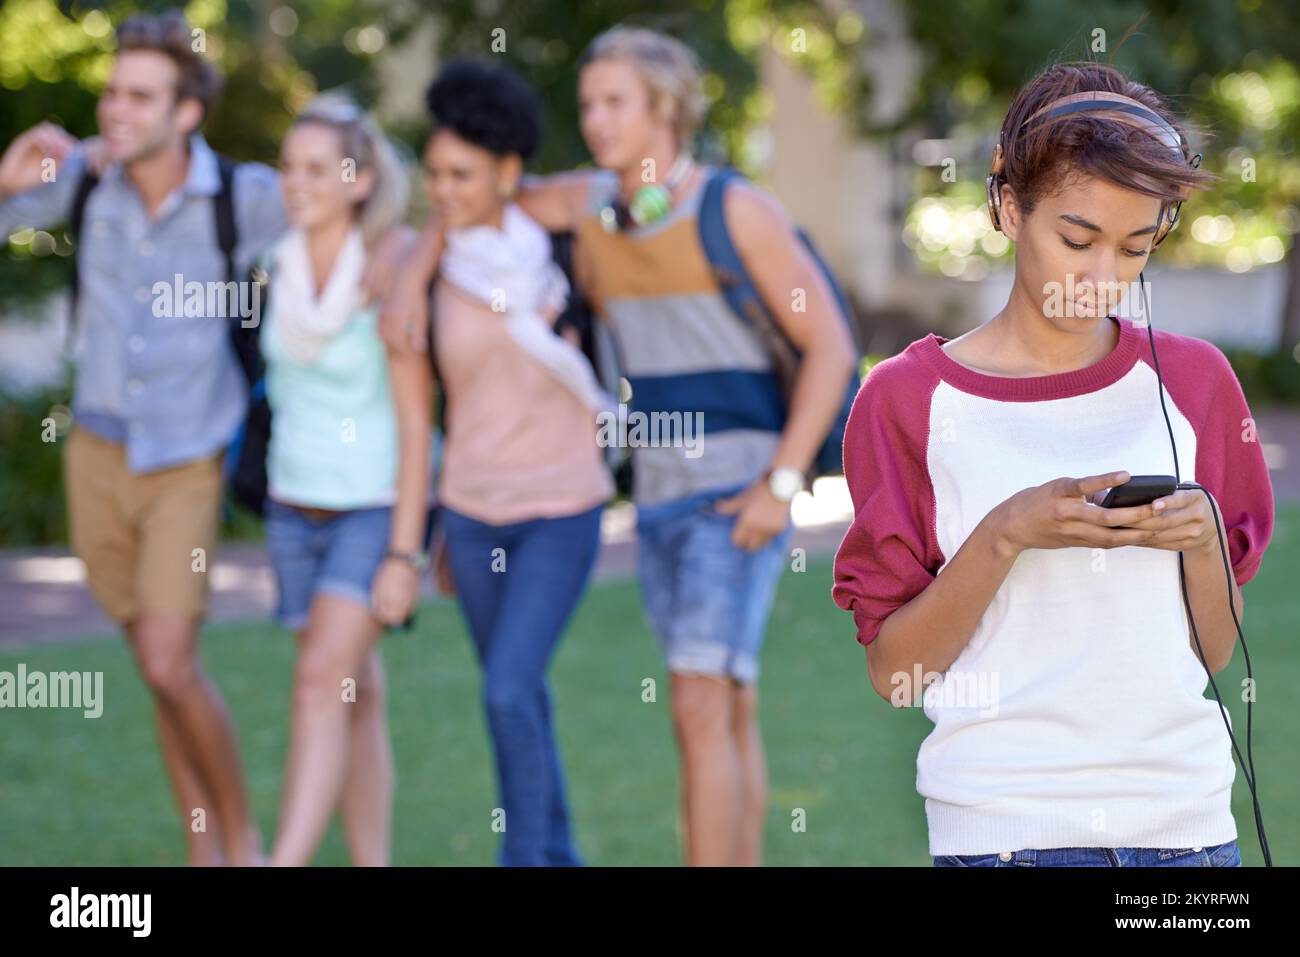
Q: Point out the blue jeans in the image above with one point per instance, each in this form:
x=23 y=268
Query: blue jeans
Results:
x=1218 y=855
x=517 y=602
x=707 y=599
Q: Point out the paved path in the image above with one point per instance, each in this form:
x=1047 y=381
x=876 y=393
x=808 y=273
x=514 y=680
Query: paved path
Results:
x=43 y=596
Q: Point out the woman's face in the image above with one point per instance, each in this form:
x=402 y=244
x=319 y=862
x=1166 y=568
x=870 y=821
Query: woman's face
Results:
x=320 y=186
x=467 y=184
x=1079 y=250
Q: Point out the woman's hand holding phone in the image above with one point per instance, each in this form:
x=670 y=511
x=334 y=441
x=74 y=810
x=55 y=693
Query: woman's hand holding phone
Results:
x=1181 y=522
x=1061 y=514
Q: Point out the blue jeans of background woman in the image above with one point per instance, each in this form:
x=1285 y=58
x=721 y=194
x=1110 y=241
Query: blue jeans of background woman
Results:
x=517 y=603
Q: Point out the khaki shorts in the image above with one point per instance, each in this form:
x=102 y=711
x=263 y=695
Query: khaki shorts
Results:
x=147 y=539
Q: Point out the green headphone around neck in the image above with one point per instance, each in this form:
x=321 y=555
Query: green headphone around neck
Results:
x=650 y=203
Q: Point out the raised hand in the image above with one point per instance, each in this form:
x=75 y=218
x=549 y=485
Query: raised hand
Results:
x=34 y=158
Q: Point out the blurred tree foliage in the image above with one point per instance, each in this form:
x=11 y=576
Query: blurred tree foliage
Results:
x=544 y=41
x=1228 y=65
x=31 y=469
x=55 y=57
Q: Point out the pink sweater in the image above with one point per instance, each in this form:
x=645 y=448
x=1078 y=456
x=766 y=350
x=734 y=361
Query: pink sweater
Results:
x=519 y=445
x=1075 y=716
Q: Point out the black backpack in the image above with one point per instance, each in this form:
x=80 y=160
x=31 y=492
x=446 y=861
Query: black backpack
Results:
x=246 y=456
x=598 y=345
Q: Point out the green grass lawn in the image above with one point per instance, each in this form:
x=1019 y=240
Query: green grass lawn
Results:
x=93 y=792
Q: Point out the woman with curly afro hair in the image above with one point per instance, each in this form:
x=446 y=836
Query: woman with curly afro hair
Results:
x=522 y=481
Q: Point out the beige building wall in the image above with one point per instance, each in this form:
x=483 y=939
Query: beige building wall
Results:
x=838 y=186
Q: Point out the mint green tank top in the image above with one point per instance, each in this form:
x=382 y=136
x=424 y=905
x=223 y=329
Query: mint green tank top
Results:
x=333 y=426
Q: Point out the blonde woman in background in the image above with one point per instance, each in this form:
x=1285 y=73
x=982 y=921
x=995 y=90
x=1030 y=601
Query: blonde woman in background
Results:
x=332 y=476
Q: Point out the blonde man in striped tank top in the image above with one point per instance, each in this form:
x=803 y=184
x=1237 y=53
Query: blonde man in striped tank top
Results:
x=713 y=514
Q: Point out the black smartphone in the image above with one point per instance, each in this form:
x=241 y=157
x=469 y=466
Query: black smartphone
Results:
x=1140 y=490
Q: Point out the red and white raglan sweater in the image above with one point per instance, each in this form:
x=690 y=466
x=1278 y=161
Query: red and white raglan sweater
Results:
x=1075 y=716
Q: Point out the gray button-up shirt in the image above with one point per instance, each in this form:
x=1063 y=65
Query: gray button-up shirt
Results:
x=165 y=384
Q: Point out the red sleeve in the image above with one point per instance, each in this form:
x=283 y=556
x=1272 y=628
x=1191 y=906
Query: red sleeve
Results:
x=889 y=554
x=1229 y=456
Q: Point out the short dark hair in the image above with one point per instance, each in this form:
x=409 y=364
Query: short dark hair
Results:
x=1040 y=158
x=487 y=105
x=169 y=33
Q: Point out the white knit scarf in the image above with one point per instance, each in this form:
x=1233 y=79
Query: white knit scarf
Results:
x=304 y=322
x=511 y=270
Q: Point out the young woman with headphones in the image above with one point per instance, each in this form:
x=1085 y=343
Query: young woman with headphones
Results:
x=1062 y=648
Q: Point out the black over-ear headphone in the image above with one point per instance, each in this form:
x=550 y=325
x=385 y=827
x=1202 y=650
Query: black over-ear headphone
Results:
x=1115 y=107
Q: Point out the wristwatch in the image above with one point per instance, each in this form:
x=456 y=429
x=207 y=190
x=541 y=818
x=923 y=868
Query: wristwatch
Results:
x=784 y=483
x=417 y=560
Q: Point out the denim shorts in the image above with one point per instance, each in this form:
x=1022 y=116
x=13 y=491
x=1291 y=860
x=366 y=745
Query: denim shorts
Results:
x=338 y=554
x=1218 y=855
x=707 y=600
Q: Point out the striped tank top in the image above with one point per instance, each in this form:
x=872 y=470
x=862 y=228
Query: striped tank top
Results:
x=691 y=362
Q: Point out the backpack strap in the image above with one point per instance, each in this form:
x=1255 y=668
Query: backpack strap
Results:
x=729 y=269
x=734 y=281
x=76 y=217
x=724 y=259
x=224 y=211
